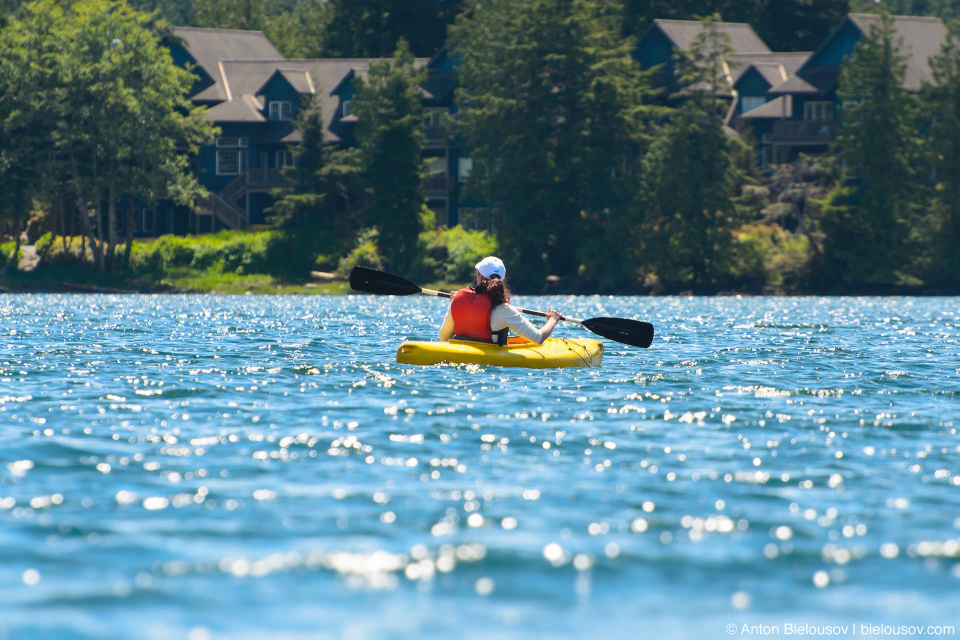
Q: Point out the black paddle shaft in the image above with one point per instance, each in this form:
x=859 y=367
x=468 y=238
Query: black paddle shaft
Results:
x=632 y=332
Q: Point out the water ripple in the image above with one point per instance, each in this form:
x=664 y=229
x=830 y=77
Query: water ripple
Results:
x=206 y=467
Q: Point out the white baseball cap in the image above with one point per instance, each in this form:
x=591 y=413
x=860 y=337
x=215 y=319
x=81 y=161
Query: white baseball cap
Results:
x=491 y=266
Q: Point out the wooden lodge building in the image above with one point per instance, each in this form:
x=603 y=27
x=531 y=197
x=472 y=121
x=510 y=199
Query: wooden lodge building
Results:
x=788 y=100
x=253 y=94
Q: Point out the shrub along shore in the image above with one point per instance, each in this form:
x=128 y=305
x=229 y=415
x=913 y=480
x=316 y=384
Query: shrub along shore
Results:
x=767 y=261
x=232 y=262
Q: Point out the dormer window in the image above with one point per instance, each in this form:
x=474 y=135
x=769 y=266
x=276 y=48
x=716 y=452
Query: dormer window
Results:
x=749 y=103
x=280 y=110
x=346 y=108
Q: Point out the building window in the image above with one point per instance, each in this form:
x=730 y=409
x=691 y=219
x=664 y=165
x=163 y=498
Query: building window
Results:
x=466 y=217
x=284 y=159
x=345 y=109
x=230 y=162
x=480 y=220
x=280 y=110
x=431 y=117
x=749 y=103
x=231 y=143
x=439 y=209
x=437 y=165
x=818 y=110
x=465 y=168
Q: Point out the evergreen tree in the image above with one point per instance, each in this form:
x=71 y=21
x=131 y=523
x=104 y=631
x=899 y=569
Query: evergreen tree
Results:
x=943 y=109
x=554 y=125
x=639 y=14
x=301 y=31
x=700 y=69
x=318 y=180
x=687 y=180
x=372 y=28
x=230 y=14
x=877 y=144
x=943 y=9
x=390 y=138
x=688 y=176
x=799 y=25
x=785 y=25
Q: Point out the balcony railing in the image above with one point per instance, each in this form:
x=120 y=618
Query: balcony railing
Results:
x=804 y=131
x=436 y=183
x=256 y=179
x=433 y=132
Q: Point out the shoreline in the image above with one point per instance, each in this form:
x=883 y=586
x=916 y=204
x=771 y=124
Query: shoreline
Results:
x=200 y=283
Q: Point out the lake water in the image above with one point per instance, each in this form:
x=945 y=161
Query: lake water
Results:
x=200 y=467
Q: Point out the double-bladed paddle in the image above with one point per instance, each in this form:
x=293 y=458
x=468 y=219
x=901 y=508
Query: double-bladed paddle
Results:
x=632 y=332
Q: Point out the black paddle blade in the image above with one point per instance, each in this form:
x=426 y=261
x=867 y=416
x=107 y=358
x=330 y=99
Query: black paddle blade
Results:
x=632 y=332
x=373 y=281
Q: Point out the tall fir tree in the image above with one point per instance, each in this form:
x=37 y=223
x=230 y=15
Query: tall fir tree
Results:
x=390 y=138
x=554 y=121
x=943 y=109
x=867 y=220
x=799 y=25
x=230 y=14
x=688 y=175
x=372 y=28
x=319 y=180
x=301 y=31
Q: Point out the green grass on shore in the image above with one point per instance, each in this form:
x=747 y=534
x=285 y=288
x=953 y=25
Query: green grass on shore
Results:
x=177 y=280
x=229 y=262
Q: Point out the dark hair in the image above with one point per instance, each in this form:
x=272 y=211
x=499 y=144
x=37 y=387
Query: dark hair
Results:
x=496 y=289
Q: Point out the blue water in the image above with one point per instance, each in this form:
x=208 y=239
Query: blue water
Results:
x=197 y=467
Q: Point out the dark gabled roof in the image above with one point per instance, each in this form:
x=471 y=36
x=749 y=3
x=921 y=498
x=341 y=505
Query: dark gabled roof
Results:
x=773 y=109
x=241 y=109
x=774 y=67
x=209 y=46
x=248 y=77
x=681 y=33
x=299 y=79
x=794 y=84
x=439 y=86
x=277 y=133
x=921 y=37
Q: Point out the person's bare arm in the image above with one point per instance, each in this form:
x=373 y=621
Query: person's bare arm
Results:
x=553 y=317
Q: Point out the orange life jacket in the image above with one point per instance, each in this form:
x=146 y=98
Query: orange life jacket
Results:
x=471 y=315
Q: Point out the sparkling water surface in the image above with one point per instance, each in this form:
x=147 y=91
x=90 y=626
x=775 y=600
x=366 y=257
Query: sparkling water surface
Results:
x=201 y=467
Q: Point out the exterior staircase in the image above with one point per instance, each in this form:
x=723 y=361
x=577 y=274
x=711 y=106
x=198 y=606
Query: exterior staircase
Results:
x=228 y=213
x=224 y=205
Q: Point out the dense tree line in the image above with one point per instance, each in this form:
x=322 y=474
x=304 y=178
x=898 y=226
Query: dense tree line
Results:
x=595 y=181
x=94 y=118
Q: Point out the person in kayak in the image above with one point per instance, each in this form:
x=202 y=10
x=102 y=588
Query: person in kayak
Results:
x=483 y=312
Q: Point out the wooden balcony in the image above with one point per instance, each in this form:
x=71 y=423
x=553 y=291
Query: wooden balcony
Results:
x=435 y=137
x=256 y=179
x=811 y=132
x=436 y=184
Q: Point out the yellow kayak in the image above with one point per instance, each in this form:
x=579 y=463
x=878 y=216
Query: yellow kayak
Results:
x=553 y=353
